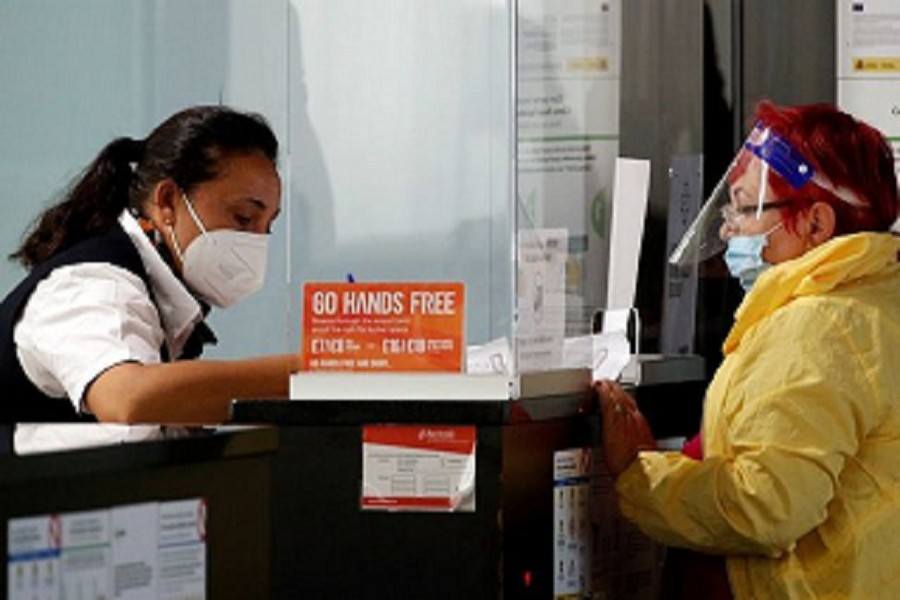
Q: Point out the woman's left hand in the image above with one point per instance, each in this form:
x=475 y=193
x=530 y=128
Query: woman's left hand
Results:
x=625 y=431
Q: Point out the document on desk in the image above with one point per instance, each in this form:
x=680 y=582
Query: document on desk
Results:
x=605 y=354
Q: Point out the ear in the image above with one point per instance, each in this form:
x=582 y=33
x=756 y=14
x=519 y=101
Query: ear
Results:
x=163 y=200
x=821 y=222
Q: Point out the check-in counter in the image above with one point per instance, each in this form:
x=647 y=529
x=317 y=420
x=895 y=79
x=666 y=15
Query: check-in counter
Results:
x=189 y=517
x=282 y=495
x=530 y=527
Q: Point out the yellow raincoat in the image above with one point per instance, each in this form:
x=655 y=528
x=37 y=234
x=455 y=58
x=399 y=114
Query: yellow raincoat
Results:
x=800 y=482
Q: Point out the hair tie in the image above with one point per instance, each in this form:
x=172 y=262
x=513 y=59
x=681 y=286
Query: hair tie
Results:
x=134 y=149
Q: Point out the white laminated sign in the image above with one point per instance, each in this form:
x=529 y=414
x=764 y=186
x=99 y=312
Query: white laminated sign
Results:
x=147 y=551
x=419 y=468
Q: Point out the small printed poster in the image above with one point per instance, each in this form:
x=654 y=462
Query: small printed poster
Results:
x=868 y=85
x=572 y=524
x=134 y=568
x=147 y=551
x=868 y=39
x=86 y=555
x=540 y=299
x=32 y=558
x=383 y=326
x=419 y=468
x=182 y=549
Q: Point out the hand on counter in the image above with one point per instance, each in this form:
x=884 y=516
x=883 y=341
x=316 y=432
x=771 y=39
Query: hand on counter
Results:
x=625 y=431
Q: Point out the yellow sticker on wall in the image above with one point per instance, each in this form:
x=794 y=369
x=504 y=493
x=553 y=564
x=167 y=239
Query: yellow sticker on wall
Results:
x=876 y=64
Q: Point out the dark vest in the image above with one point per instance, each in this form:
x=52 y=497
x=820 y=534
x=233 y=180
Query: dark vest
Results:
x=20 y=400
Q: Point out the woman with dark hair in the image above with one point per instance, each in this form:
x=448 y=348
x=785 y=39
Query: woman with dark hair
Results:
x=795 y=479
x=123 y=271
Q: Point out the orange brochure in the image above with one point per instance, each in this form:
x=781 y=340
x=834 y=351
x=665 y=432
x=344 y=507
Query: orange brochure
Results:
x=383 y=327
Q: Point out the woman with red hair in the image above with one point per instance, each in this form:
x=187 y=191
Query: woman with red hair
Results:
x=797 y=480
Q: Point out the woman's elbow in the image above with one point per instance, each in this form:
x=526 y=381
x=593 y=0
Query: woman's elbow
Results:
x=773 y=533
x=116 y=396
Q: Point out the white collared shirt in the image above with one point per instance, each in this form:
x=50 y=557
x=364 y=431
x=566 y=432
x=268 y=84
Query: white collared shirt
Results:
x=85 y=318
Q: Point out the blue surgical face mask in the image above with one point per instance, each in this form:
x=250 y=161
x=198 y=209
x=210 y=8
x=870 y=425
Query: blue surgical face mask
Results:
x=744 y=257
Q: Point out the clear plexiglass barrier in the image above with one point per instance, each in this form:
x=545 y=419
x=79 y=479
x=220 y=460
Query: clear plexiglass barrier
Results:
x=469 y=142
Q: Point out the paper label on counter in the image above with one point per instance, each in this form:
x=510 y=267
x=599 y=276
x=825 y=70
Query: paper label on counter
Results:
x=86 y=555
x=134 y=565
x=572 y=541
x=419 y=468
x=147 y=551
x=32 y=558
x=182 y=549
x=383 y=326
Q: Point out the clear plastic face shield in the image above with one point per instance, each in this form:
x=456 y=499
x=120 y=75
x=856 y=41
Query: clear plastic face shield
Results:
x=743 y=195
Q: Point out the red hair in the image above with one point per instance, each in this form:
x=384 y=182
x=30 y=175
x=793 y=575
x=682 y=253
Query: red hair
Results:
x=848 y=152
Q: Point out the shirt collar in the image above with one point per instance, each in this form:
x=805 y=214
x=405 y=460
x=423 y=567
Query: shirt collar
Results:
x=179 y=311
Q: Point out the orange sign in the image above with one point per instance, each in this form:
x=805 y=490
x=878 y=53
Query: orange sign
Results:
x=383 y=326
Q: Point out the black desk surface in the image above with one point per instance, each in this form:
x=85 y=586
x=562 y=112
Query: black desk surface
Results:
x=451 y=412
x=347 y=412
x=202 y=446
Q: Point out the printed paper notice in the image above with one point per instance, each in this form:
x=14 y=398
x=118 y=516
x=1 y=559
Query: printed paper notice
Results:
x=567 y=117
x=134 y=569
x=418 y=468
x=572 y=524
x=868 y=85
x=86 y=561
x=32 y=558
x=868 y=38
x=182 y=550
x=383 y=326
x=148 y=551
x=541 y=302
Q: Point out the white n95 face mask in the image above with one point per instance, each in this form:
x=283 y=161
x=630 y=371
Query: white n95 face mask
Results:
x=222 y=266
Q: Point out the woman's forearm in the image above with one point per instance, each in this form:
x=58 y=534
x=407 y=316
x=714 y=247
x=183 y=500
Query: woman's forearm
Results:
x=195 y=391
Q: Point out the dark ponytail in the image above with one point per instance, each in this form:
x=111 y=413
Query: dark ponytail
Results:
x=92 y=204
x=188 y=148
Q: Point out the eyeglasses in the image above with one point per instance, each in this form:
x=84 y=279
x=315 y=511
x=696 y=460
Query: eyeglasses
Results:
x=733 y=216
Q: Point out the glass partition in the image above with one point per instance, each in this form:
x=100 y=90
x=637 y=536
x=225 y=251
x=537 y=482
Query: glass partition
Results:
x=470 y=141
x=401 y=153
x=567 y=82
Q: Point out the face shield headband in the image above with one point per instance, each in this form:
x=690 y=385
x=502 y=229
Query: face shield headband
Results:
x=741 y=194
